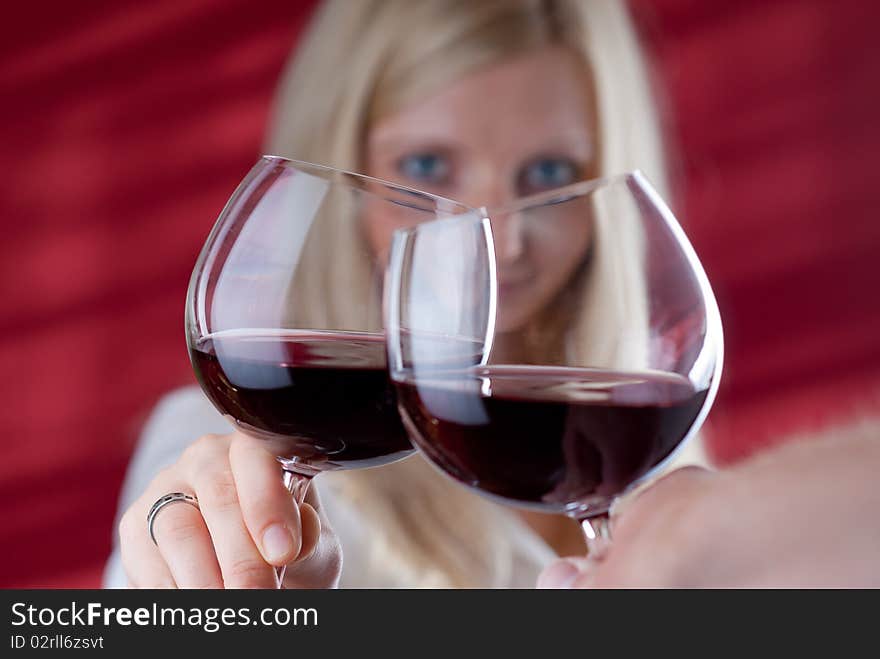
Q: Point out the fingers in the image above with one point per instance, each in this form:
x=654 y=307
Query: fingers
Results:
x=651 y=531
x=185 y=544
x=677 y=483
x=311 y=531
x=271 y=516
x=183 y=553
x=319 y=564
x=144 y=566
x=635 y=556
x=209 y=472
x=247 y=523
x=564 y=572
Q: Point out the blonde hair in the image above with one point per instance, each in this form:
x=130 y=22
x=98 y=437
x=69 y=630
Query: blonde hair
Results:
x=360 y=61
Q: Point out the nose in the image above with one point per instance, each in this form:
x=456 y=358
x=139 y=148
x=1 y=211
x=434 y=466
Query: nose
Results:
x=488 y=186
x=507 y=232
x=485 y=185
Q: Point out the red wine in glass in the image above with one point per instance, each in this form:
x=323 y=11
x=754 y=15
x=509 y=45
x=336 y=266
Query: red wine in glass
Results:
x=599 y=345
x=551 y=436
x=324 y=397
x=284 y=315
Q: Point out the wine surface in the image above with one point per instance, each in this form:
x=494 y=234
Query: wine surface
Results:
x=323 y=397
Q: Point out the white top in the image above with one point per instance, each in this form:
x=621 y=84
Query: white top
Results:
x=185 y=415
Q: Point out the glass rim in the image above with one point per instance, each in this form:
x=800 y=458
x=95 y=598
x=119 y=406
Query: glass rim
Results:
x=566 y=192
x=301 y=165
x=556 y=195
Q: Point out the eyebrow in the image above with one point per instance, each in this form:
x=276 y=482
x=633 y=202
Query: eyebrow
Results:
x=409 y=139
x=576 y=145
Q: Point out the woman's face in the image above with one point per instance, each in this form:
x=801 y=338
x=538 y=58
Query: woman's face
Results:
x=513 y=129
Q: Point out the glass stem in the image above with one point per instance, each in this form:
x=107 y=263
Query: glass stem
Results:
x=597 y=533
x=298 y=485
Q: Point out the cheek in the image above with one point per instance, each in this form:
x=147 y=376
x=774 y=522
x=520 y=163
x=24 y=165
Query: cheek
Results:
x=559 y=247
x=377 y=229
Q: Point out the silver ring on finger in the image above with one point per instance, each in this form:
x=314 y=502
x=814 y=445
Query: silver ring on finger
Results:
x=161 y=502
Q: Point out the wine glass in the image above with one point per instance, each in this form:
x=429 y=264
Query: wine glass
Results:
x=284 y=315
x=555 y=352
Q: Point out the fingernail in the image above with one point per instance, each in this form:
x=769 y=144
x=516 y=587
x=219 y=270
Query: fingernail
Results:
x=277 y=543
x=561 y=574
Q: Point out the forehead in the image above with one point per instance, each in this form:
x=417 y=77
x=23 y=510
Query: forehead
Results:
x=533 y=94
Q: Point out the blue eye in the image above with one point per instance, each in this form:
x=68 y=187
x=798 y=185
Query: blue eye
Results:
x=425 y=168
x=546 y=174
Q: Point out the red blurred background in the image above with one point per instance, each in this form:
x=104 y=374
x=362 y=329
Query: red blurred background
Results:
x=125 y=126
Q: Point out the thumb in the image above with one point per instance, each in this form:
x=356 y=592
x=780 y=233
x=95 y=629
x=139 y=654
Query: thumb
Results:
x=566 y=572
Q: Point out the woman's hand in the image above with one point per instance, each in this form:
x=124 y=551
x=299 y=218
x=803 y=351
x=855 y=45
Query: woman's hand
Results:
x=803 y=515
x=247 y=524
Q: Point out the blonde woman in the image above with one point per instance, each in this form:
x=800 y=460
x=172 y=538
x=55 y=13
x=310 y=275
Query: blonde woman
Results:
x=480 y=101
